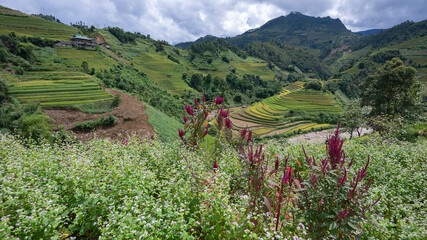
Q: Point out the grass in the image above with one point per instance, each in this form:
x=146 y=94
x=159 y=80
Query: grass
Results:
x=159 y=68
x=95 y=59
x=255 y=68
x=165 y=126
x=26 y=25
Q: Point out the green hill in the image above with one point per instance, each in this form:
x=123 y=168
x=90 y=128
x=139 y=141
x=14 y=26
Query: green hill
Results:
x=285 y=50
x=27 y=25
x=297 y=29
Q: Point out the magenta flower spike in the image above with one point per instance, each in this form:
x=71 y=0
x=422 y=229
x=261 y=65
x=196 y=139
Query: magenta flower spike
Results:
x=276 y=164
x=189 y=110
x=243 y=133
x=181 y=134
x=228 y=123
x=218 y=100
x=215 y=166
x=196 y=103
x=249 y=137
x=343 y=214
x=185 y=119
x=203 y=99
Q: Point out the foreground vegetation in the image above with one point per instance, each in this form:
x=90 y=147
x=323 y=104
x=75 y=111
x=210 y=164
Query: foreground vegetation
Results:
x=137 y=188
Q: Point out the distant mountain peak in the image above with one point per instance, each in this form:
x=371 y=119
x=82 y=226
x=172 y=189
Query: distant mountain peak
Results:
x=296 y=29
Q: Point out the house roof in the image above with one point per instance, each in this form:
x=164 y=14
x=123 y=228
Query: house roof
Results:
x=81 y=37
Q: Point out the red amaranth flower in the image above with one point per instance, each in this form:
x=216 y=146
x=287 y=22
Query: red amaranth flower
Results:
x=335 y=153
x=189 y=110
x=249 y=137
x=203 y=99
x=181 y=134
x=343 y=214
x=215 y=166
x=218 y=100
x=243 y=133
x=205 y=133
x=196 y=103
x=276 y=164
x=228 y=123
x=343 y=178
x=185 y=118
x=287 y=175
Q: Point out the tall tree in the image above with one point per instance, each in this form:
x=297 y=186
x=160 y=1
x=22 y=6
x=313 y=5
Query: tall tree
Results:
x=393 y=90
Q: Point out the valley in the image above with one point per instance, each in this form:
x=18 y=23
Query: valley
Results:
x=296 y=129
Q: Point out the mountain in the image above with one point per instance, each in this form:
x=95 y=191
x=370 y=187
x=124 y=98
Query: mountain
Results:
x=295 y=29
x=369 y=32
x=185 y=45
x=394 y=35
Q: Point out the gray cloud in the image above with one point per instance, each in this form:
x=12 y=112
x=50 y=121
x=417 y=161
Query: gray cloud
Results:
x=179 y=20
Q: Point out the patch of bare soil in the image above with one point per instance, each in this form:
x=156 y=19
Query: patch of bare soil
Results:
x=132 y=120
x=321 y=136
x=99 y=38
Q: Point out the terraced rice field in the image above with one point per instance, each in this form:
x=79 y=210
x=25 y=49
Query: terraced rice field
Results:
x=255 y=68
x=162 y=70
x=57 y=88
x=266 y=118
x=23 y=24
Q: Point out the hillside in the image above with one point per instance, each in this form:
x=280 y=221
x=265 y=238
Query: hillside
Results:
x=289 y=50
x=26 y=25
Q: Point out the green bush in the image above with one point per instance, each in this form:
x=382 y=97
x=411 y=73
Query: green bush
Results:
x=111 y=120
x=35 y=126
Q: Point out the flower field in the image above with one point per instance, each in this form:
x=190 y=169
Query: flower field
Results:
x=266 y=118
x=140 y=189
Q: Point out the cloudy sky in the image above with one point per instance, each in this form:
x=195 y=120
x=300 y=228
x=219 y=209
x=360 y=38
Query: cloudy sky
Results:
x=186 y=20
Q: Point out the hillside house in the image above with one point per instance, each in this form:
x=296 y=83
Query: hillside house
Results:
x=81 y=41
x=63 y=44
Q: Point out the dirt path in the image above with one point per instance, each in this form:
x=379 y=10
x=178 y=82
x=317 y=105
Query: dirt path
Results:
x=131 y=115
x=321 y=136
x=113 y=55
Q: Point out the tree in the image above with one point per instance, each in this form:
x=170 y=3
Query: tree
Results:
x=85 y=66
x=354 y=116
x=3 y=91
x=392 y=91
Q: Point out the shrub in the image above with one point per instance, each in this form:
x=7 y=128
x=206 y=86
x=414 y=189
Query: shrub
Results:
x=116 y=101
x=315 y=85
x=36 y=126
x=197 y=125
x=331 y=203
x=111 y=120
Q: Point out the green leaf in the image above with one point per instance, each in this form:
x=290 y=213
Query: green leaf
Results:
x=333 y=226
x=352 y=226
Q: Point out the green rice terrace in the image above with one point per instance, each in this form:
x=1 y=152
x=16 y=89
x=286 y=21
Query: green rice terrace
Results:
x=59 y=87
x=268 y=117
x=23 y=24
